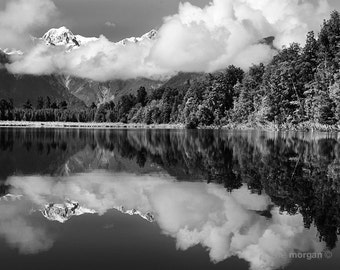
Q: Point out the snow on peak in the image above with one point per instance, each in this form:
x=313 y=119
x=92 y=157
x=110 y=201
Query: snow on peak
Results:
x=83 y=40
x=64 y=37
x=60 y=36
x=151 y=35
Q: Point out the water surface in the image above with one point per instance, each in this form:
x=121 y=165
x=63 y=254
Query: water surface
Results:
x=168 y=199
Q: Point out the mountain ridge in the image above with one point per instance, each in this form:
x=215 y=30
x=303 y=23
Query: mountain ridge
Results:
x=63 y=36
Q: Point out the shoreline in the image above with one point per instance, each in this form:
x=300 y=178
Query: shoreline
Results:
x=270 y=127
x=86 y=125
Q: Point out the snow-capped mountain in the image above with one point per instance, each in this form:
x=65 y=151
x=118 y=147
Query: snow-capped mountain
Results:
x=70 y=88
x=151 y=35
x=64 y=37
x=60 y=36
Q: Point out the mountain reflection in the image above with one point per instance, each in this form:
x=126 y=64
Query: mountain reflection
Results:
x=226 y=223
x=268 y=193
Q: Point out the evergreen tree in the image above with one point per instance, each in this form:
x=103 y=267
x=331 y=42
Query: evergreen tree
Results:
x=329 y=40
x=47 y=102
x=40 y=103
x=282 y=86
x=27 y=105
x=142 y=96
x=62 y=105
x=250 y=96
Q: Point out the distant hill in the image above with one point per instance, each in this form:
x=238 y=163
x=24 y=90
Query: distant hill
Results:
x=99 y=92
x=182 y=80
x=20 y=88
x=79 y=91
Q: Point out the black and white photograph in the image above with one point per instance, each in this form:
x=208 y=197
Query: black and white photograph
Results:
x=169 y=134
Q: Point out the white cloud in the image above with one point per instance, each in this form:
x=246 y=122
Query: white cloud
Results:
x=110 y=24
x=20 y=17
x=195 y=39
x=227 y=224
x=98 y=60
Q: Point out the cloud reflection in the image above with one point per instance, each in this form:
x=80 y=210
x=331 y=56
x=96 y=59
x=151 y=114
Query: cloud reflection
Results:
x=227 y=224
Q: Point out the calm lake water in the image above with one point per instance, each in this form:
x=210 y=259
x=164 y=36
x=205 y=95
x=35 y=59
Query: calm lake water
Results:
x=168 y=199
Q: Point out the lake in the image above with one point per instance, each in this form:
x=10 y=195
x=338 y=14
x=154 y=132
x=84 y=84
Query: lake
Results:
x=168 y=199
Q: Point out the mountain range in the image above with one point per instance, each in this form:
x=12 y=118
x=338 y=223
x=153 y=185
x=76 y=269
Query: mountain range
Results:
x=76 y=91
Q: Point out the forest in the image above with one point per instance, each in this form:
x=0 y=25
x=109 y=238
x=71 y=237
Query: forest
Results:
x=301 y=85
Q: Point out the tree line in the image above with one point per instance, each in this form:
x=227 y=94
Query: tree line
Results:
x=45 y=110
x=300 y=84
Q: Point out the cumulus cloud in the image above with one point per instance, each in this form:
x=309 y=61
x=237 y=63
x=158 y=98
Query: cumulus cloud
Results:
x=20 y=17
x=98 y=60
x=195 y=39
x=227 y=224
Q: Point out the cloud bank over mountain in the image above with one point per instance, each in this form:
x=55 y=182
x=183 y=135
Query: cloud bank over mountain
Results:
x=193 y=40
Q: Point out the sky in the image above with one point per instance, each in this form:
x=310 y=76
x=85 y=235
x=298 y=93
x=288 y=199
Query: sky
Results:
x=126 y=17
x=117 y=19
x=193 y=36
